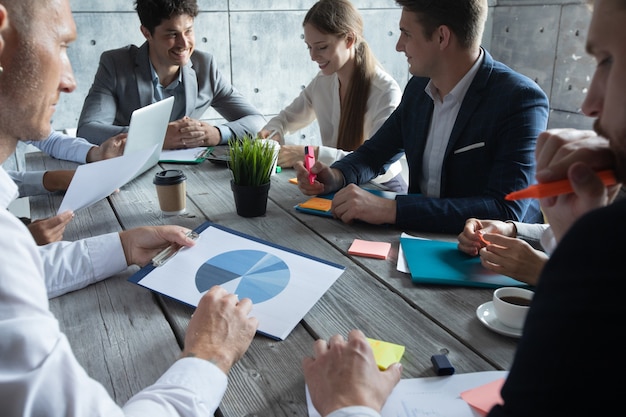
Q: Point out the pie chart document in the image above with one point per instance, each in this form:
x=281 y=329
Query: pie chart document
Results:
x=283 y=284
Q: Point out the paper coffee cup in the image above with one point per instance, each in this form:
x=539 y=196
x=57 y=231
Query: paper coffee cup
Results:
x=171 y=186
x=276 y=147
x=511 y=305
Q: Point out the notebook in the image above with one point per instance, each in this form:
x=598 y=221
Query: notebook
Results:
x=148 y=126
x=441 y=262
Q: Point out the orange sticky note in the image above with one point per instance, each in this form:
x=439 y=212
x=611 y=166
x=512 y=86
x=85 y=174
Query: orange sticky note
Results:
x=317 y=203
x=378 y=250
x=293 y=180
x=386 y=353
x=484 y=397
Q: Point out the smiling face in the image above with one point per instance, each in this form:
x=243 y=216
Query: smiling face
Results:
x=421 y=52
x=36 y=70
x=329 y=51
x=606 y=98
x=172 y=43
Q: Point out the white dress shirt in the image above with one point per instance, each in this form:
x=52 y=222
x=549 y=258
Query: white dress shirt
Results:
x=445 y=112
x=39 y=375
x=320 y=100
x=58 y=145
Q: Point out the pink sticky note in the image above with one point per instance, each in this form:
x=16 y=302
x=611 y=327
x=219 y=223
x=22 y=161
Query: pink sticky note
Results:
x=378 y=250
x=484 y=397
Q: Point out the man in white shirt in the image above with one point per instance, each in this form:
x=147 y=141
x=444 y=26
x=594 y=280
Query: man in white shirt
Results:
x=39 y=374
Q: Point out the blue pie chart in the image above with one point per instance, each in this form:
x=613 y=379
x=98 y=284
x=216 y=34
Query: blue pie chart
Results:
x=260 y=275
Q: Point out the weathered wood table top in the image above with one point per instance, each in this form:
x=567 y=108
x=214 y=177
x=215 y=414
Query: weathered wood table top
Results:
x=125 y=336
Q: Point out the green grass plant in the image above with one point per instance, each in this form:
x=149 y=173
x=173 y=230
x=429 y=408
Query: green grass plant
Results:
x=251 y=161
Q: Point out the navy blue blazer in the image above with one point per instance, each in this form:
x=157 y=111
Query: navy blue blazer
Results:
x=570 y=353
x=490 y=152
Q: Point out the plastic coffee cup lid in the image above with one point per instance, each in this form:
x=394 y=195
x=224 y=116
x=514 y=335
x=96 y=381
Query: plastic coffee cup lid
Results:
x=169 y=177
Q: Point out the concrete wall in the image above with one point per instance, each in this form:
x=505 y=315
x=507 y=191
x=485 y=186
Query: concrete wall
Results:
x=259 y=45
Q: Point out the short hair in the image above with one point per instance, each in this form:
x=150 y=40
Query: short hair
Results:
x=153 y=12
x=465 y=18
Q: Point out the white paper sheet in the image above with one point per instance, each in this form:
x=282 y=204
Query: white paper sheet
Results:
x=402 y=265
x=282 y=284
x=183 y=155
x=433 y=397
x=94 y=181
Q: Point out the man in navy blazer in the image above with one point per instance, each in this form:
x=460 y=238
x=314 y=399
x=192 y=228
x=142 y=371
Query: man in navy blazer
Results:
x=167 y=64
x=467 y=124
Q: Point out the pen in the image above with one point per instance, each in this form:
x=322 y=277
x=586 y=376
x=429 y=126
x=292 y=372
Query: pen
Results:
x=169 y=252
x=309 y=161
x=549 y=189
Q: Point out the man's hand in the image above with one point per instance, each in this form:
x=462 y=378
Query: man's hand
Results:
x=342 y=374
x=49 y=230
x=354 y=203
x=220 y=330
x=190 y=133
x=558 y=149
x=327 y=180
x=589 y=193
x=110 y=148
x=141 y=244
x=58 y=180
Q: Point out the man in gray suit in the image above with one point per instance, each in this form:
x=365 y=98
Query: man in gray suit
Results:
x=166 y=65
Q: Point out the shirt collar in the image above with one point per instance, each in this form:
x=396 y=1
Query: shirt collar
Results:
x=460 y=89
x=155 y=76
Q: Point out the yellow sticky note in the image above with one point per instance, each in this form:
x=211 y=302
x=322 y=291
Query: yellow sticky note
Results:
x=386 y=353
x=317 y=203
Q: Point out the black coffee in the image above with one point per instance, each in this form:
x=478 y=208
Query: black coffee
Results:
x=518 y=301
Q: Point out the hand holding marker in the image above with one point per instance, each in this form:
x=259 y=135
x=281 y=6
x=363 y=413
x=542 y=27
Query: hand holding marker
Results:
x=550 y=189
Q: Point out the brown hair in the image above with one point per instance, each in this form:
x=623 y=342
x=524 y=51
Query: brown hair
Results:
x=341 y=18
x=465 y=18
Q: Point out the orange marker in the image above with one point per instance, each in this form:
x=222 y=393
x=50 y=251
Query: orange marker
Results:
x=549 y=189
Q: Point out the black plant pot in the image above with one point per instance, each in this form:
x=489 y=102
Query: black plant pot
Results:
x=250 y=200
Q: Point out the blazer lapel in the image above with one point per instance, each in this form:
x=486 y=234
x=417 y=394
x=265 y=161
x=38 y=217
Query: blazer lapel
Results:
x=191 y=87
x=145 y=89
x=470 y=101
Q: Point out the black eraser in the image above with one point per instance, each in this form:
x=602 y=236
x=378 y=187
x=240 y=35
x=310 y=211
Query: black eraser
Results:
x=442 y=365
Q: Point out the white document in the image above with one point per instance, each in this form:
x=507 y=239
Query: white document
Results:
x=438 y=396
x=283 y=284
x=183 y=155
x=94 y=181
x=402 y=265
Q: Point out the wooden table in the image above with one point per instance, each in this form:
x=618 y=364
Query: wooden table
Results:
x=125 y=336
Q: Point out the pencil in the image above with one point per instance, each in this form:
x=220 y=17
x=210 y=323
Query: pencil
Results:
x=549 y=189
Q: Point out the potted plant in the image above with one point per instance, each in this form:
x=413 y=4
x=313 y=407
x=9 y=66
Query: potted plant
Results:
x=251 y=163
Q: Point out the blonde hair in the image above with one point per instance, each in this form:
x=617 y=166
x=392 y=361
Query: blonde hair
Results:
x=342 y=19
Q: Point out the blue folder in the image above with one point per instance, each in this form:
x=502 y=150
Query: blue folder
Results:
x=440 y=262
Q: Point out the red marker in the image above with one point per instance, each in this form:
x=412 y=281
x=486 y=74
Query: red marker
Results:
x=309 y=161
x=550 y=189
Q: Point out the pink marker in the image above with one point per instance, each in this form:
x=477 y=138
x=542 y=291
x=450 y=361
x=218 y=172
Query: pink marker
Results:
x=309 y=161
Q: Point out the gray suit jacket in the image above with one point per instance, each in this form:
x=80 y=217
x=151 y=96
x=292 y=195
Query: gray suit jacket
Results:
x=123 y=83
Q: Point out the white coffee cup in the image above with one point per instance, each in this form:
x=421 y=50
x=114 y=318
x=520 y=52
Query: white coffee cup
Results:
x=276 y=147
x=511 y=305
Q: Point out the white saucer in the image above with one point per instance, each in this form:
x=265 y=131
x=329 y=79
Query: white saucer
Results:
x=485 y=314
